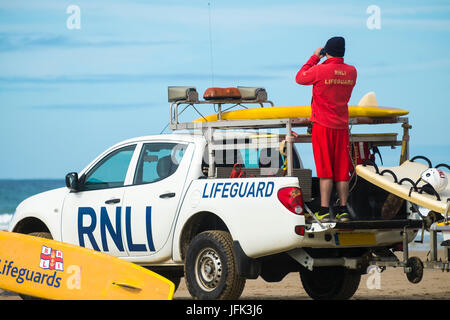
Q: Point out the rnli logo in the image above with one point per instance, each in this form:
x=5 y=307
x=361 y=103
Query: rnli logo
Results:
x=51 y=259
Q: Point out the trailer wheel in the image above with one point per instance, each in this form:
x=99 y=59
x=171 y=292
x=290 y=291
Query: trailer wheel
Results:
x=330 y=283
x=210 y=267
x=416 y=269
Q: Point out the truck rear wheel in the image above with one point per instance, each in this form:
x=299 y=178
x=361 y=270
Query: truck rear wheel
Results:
x=210 y=267
x=330 y=283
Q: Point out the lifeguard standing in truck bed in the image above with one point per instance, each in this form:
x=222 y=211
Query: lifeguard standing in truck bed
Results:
x=333 y=83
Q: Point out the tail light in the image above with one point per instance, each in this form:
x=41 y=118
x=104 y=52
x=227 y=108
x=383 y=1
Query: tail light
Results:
x=292 y=199
x=300 y=230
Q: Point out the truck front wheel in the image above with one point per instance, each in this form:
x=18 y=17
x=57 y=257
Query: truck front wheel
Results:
x=210 y=267
x=330 y=282
x=45 y=235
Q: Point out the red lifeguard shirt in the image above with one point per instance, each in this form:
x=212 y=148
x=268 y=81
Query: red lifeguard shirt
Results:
x=333 y=83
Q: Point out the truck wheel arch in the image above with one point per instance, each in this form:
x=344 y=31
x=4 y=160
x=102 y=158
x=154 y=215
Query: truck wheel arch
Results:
x=29 y=225
x=199 y=222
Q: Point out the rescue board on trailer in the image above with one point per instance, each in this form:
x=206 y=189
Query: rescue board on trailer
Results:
x=55 y=270
x=300 y=112
x=383 y=177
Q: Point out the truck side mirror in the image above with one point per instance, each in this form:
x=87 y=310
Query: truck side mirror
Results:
x=72 y=181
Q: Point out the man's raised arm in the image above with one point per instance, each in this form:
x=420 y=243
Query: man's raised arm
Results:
x=307 y=75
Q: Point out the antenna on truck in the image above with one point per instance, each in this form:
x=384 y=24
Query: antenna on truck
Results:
x=211 y=44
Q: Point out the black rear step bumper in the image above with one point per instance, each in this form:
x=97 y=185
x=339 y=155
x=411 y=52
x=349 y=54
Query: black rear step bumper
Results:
x=379 y=224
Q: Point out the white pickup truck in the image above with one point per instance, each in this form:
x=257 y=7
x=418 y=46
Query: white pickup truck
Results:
x=157 y=202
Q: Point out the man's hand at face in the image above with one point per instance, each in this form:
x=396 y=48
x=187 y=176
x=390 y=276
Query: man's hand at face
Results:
x=317 y=53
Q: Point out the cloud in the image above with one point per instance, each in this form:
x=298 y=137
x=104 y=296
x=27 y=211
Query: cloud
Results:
x=420 y=24
x=119 y=78
x=395 y=69
x=417 y=9
x=14 y=42
x=231 y=15
x=91 y=106
x=376 y=69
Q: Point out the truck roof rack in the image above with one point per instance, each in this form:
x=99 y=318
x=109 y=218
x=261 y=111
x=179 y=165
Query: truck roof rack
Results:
x=188 y=96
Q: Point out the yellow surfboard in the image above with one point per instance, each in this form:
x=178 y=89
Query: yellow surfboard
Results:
x=411 y=170
x=55 y=270
x=300 y=112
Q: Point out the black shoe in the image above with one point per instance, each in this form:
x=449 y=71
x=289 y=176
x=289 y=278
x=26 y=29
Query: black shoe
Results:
x=343 y=215
x=326 y=217
x=323 y=215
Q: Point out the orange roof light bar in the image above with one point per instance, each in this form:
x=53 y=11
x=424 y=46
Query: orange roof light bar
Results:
x=222 y=94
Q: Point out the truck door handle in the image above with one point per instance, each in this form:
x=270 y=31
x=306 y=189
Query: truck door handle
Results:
x=112 y=201
x=167 y=195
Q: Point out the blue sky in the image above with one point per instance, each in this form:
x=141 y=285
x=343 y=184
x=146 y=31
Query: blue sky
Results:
x=66 y=95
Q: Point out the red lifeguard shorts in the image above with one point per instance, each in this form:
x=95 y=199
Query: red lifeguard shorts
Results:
x=331 y=152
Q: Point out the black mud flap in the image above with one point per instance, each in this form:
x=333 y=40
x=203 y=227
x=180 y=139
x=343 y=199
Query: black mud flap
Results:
x=247 y=267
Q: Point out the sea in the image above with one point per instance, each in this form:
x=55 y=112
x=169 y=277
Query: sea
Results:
x=12 y=192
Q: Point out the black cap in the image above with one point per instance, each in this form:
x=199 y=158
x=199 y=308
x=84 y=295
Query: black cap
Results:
x=335 y=47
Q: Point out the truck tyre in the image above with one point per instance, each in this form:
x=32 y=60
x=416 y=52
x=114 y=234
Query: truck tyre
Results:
x=330 y=283
x=45 y=235
x=176 y=281
x=210 y=267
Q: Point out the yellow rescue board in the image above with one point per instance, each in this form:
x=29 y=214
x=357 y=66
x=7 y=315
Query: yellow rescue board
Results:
x=300 y=112
x=411 y=170
x=55 y=270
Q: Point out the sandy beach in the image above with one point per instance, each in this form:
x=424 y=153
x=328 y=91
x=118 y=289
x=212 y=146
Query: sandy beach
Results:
x=393 y=285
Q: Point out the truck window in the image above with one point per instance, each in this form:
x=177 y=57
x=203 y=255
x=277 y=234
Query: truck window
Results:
x=263 y=157
x=110 y=172
x=158 y=161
